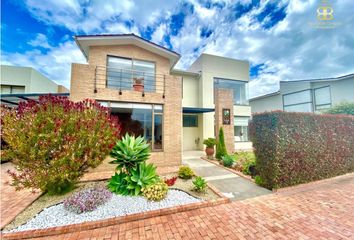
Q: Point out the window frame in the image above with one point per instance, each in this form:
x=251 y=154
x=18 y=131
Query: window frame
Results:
x=247 y=127
x=297 y=104
x=194 y=115
x=131 y=66
x=314 y=98
x=153 y=113
x=13 y=86
x=216 y=80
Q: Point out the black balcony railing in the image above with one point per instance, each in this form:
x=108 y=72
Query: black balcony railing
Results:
x=124 y=79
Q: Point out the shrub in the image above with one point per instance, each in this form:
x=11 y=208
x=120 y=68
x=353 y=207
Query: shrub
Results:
x=227 y=160
x=294 y=148
x=130 y=152
x=342 y=108
x=87 y=200
x=155 y=192
x=132 y=183
x=220 y=145
x=210 y=142
x=185 y=172
x=171 y=181
x=53 y=141
x=241 y=158
x=258 y=180
x=199 y=184
x=249 y=167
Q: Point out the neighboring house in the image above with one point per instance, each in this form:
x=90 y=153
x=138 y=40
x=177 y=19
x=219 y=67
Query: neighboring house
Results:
x=173 y=109
x=18 y=80
x=311 y=95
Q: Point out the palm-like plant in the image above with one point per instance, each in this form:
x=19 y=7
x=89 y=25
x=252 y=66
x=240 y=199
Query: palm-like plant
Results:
x=130 y=152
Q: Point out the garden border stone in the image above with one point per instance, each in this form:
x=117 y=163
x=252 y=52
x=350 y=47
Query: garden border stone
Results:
x=116 y=220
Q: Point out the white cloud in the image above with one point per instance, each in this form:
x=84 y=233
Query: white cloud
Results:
x=292 y=49
x=40 y=41
x=55 y=63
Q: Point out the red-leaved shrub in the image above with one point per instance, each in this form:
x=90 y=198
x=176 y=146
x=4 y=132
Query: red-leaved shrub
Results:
x=53 y=141
x=170 y=181
x=294 y=148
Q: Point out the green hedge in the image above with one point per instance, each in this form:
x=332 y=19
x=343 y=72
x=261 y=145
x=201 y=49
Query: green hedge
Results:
x=294 y=148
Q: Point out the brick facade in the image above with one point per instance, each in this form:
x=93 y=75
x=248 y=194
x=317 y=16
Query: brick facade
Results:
x=224 y=100
x=84 y=82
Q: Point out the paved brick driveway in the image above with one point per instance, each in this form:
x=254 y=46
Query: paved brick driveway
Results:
x=316 y=211
x=12 y=202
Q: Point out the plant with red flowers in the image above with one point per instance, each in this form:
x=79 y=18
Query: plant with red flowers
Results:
x=53 y=141
x=170 y=181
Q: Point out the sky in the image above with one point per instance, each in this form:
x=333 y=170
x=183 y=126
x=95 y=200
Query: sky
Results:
x=282 y=40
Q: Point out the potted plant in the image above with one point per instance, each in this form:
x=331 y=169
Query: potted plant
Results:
x=138 y=84
x=210 y=143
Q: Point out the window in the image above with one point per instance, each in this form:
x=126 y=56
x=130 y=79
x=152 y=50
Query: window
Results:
x=144 y=120
x=240 y=89
x=190 y=120
x=122 y=71
x=322 y=98
x=9 y=89
x=241 y=128
x=298 y=101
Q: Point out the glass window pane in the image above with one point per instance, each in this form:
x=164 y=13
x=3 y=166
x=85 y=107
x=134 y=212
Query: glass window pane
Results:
x=305 y=107
x=298 y=97
x=158 y=131
x=241 y=121
x=119 y=73
x=239 y=89
x=241 y=133
x=158 y=109
x=17 y=89
x=322 y=96
x=5 y=89
x=190 y=120
x=146 y=71
x=137 y=122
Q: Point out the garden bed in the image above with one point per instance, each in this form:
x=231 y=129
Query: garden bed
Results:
x=47 y=211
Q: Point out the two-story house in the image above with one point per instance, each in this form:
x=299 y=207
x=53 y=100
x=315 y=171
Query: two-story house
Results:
x=174 y=110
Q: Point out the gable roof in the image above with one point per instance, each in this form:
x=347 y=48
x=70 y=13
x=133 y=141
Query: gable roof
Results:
x=85 y=41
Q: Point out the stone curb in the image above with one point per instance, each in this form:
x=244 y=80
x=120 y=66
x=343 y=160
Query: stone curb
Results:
x=116 y=220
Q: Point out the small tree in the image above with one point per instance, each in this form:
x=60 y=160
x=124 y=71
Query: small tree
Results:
x=342 y=108
x=220 y=145
x=53 y=141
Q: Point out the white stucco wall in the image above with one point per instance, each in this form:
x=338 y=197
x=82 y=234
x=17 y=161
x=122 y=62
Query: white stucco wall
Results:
x=33 y=81
x=341 y=91
x=270 y=103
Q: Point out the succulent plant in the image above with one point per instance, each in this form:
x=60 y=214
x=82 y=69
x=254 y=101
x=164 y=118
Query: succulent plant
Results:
x=156 y=191
x=129 y=152
x=199 y=184
x=185 y=172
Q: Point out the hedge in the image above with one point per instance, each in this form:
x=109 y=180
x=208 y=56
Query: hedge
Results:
x=294 y=148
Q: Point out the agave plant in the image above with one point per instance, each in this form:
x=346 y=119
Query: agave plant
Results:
x=142 y=176
x=118 y=184
x=129 y=152
x=132 y=184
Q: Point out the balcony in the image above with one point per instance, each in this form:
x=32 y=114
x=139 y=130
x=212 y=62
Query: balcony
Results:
x=129 y=80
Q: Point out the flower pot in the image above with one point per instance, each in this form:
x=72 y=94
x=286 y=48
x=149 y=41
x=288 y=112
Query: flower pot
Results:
x=138 y=87
x=209 y=151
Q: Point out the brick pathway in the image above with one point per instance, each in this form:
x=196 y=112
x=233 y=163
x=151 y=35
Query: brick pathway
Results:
x=12 y=202
x=316 y=211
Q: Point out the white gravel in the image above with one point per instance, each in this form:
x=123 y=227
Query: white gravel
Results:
x=118 y=206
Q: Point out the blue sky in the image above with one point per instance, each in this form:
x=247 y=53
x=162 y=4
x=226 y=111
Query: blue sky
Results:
x=278 y=38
